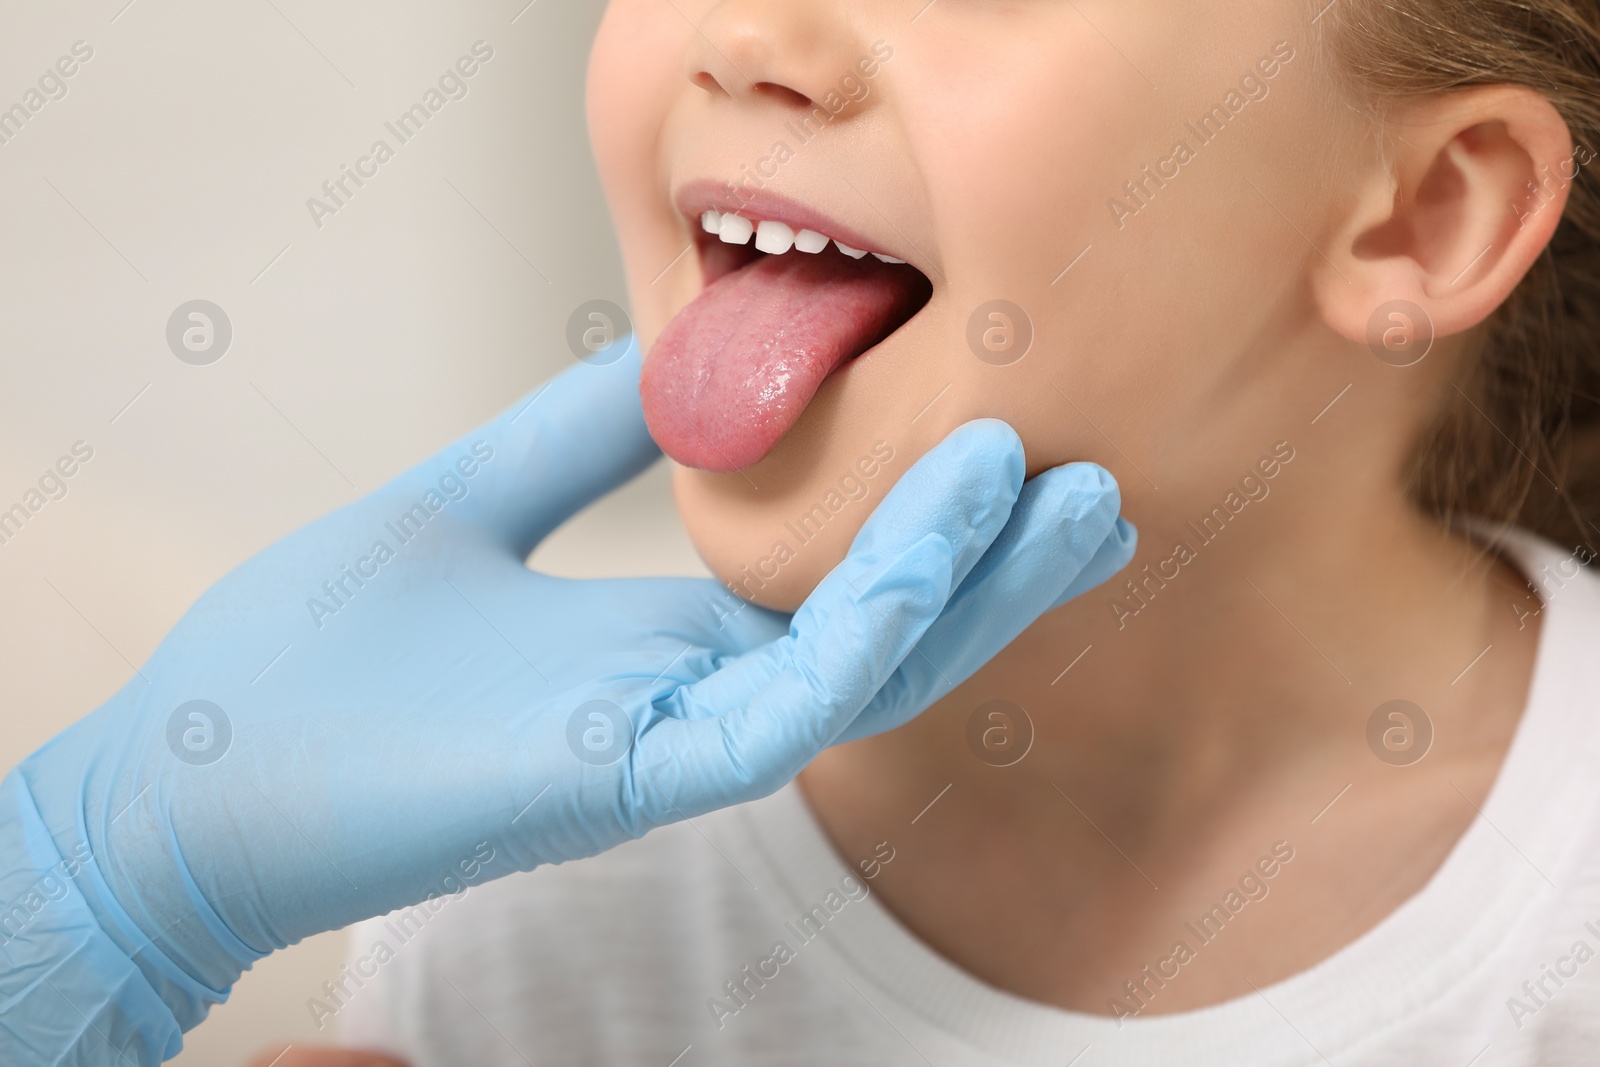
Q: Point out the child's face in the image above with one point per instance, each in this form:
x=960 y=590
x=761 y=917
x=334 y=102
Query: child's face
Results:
x=987 y=148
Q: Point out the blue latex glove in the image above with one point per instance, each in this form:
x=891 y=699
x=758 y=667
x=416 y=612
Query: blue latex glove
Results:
x=443 y=715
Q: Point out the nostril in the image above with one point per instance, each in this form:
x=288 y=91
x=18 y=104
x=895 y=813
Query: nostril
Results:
x=783 y=94
x=704 y=80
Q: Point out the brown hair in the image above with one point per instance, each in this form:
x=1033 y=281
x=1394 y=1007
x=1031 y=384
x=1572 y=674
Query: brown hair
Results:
x=1518 y=438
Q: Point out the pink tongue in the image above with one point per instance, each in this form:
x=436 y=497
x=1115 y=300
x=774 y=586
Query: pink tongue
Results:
x=733 y=371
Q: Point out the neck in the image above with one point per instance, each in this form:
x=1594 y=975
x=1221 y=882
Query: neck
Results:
x=1263 y=640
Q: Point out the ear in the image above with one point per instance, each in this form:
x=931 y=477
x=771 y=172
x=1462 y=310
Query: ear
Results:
x=1452 y=213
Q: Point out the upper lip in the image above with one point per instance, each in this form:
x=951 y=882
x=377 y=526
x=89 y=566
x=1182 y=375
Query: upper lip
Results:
x=694 y=198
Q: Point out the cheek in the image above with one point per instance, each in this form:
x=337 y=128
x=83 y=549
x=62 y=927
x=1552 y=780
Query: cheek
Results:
x=1020 y=193
x=1145 y=327
x=636 y=75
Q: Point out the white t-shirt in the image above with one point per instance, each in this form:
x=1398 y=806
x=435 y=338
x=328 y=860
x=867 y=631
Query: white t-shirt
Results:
x=743 y=939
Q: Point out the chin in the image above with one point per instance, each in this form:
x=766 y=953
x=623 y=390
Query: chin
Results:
x=739 y=544
x=773 y=531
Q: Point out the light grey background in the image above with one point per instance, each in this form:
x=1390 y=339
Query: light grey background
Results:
x=177 y=168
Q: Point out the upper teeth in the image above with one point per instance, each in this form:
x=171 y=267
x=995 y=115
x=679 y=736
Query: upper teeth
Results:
x=775 y=237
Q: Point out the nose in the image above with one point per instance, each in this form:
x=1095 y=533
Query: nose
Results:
x=794 y=52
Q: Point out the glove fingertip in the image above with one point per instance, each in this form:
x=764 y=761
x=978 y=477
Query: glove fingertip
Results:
x=1114 y=553
x=1127 y=535
x=1001 y=443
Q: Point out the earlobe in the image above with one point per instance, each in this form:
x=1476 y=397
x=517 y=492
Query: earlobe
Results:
x=1452 y=214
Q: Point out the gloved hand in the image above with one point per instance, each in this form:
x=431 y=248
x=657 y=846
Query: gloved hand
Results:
x=387 y=707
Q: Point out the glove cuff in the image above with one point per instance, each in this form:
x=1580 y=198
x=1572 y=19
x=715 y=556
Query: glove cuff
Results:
x=70 y=993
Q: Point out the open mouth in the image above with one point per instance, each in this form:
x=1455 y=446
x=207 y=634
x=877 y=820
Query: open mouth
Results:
x=787 y=302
